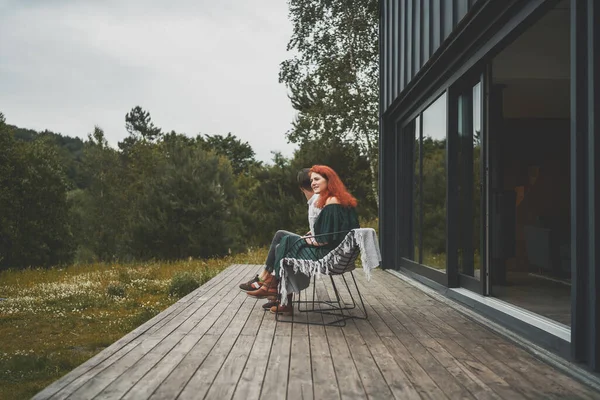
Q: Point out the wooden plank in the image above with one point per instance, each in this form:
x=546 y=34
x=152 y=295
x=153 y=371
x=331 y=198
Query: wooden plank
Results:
x=178 y=374
x=348 y=378
x=125 y=381
x=228 y=329
x=275 y=382
x=462 y=374
x=200 y=316
x=417 y=375
x=250 y=383
x=97 y=383
x=255 y=319
x=419 y=378
x=371 y=331
x=226 y=380
x=372 y=379
x=477 y=340
x=323 y=372
x=177 y=379
x=438 y=373
x=481 y=337
x=456 y=368
x=300 y=384
x=496 y=381
x=396 y=379
x=144 y=388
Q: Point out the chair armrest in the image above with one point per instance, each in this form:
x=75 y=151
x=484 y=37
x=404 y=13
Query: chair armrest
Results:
x=300 y=242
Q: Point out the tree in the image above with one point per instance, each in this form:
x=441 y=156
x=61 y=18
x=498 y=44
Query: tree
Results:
x=139 y=124
x=186 y=208
x=240 y=154
x=70 y=150
x=34 y=223
x=100 y=213
x=333 y=78
x=268 y=200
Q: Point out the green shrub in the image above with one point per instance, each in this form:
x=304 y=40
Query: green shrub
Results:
x=115 y=289
x=183 y=283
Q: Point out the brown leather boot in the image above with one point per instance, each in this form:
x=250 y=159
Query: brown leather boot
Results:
x=288 y=309
x=285 y=310
x=269 y=304
x=266 y=290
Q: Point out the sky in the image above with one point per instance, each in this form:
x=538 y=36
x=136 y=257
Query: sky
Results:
x=198 y=66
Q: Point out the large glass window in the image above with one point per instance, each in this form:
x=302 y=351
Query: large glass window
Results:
x=429 y=186
x=469 y=182
x=417 y=192
x=433 y=182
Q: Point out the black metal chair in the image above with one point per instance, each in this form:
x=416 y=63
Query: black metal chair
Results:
x=338 y=308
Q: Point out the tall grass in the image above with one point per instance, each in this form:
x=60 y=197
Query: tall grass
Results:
x=52 y=320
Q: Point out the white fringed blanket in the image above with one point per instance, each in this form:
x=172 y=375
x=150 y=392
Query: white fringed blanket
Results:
x=338 y=260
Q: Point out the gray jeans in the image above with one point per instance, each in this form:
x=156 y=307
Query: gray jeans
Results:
x=270 y=263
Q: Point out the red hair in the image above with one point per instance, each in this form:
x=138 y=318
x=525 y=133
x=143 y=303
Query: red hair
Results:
x=335 y=188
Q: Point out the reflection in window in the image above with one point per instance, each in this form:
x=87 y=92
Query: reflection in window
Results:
x=477 y=179
x=433 y=185
x=469 y=182
x=417 y=191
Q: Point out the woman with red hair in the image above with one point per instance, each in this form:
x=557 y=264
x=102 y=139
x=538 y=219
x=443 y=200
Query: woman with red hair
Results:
x=337 y=217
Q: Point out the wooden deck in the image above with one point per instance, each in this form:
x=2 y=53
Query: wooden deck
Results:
x=218 y=343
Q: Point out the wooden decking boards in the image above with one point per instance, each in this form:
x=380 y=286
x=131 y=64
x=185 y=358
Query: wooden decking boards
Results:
x=218 y=343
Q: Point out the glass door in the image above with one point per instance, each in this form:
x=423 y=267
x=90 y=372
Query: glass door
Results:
x=470 y=170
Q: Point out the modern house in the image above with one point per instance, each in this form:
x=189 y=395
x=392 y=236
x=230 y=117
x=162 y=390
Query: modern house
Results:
x=489 y=153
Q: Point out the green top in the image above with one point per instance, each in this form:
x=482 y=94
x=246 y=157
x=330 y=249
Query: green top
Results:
x=334 y=219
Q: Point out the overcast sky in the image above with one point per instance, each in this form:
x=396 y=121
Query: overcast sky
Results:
x=198 y=66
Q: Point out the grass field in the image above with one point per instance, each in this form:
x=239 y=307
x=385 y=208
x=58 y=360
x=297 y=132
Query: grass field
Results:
x=52 y=320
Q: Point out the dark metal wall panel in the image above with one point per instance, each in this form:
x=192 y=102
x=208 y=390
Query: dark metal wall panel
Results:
x=387 y=190
x=390 y=51
x=383 y=58
x=412 y=31
x=579 y=278
x=585 y=107
x=593 y=181
x=417 y=36
x=460 y=10
x=436 y=24
x=594 y=153
x=410 y=39
x=447 y=18
x=402 y=46
x=426 y=31
x=395 y=50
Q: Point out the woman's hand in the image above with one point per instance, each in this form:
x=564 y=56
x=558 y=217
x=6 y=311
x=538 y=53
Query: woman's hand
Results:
x=309 y=239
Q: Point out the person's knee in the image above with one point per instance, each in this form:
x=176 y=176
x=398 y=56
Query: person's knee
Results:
x=279 y=235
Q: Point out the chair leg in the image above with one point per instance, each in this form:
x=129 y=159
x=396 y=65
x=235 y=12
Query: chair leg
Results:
x=312 y=302
x=364 y=309
x=336 y=309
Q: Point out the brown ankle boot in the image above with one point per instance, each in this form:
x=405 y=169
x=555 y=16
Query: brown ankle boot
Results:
x=288 y=309
x=266 y=290
x=285 y=310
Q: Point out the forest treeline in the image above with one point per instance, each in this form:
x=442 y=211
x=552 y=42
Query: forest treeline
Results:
x=165 y=195
x=158 y=195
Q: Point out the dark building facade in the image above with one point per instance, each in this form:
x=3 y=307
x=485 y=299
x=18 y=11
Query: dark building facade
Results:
x=489 y=151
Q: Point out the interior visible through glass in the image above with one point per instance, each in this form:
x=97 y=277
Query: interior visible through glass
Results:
x=530 y=169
